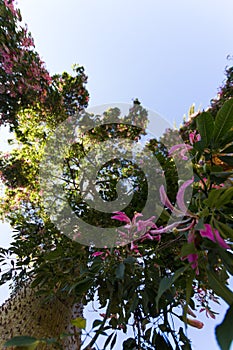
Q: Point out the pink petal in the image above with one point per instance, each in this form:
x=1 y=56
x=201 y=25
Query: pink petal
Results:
x=220 y=240
x=164 y=198
x=97 y=254
x=120 y=216
x=146 y=236
x=191 y=137
x=145 y=225
x=166 y=202
x=136 y=215
x=213 y=236
x=183 y=146
x=193 y=260
x=165 y=229
x=180 y=195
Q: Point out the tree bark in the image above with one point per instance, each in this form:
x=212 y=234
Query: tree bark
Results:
x=27 y=313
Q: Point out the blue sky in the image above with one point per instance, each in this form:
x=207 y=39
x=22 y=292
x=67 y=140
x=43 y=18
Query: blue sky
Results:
x=168 y=53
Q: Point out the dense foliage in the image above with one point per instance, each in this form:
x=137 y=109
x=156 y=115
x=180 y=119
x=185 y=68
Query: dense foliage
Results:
x=169 y=267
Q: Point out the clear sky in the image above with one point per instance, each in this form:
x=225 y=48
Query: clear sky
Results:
x=168 y=53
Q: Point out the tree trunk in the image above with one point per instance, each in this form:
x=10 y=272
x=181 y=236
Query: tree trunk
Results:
x=26 y=313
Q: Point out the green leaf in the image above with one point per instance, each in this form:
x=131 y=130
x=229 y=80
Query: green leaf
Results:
x=184 y=339
x=199 y=146
x=133 y=303
x=227 y=259
x=220 y=177
x=188 y=248
x=82 y=286
x=96 y=323
x=225 y=230
x=108 y=340
x=200 y=224
x=229 y=149
x=167 y=282
x=227 y=139
x=219 y=287
x=188 y=292
x=79 y=322
x=205 y=126
x=113 y=342
x=29 y=343
x=213 y=197
x=120 y=271
x=129 y=344
x=227 y=159
x=223 y=121
x=161 y=343
x=223 y=332
x=225 y=198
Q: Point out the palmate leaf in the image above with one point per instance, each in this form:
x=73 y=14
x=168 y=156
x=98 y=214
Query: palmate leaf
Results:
x=229 y=149
x=225 y=230
x=220 y=288
x=113 y=342
x=227 y=159
x=220 y=176
x=108 y=340
x=223 y=197
x=161 y=342
x=129 y=344
x=223 y=121
x=223 y=332
x=205 y=126
x=226 y=140
x=167 y=282
x=227 y=259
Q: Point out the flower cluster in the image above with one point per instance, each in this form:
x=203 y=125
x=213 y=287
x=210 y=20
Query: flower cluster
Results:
x=24 y=78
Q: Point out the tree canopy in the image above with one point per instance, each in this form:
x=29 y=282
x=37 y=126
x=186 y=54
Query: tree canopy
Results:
x=168 y=263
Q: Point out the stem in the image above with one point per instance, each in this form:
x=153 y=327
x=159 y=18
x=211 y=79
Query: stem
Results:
x=202 y=181
x=139 y=332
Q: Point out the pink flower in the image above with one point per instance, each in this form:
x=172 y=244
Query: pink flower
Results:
x=183 y=149
x=194 y=137
x=135 y=230
x=7 y=61
x=179 y=199
x=27 y=42
x=145 y=225
x=120 y=216
x=213 y=235
x=134 y=248
x=147 y=236
x=193 y=260
x=97 y=254
x=180 y=195
x=10 y=5
x=140 y=225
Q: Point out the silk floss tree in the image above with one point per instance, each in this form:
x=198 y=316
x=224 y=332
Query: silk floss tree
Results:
x=28 y=93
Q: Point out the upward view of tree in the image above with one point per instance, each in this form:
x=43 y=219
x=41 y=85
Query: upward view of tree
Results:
x=166 y=264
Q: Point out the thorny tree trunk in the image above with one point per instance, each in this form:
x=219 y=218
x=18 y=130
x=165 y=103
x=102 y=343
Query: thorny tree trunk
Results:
x=25 y=313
